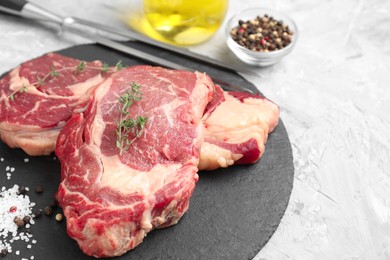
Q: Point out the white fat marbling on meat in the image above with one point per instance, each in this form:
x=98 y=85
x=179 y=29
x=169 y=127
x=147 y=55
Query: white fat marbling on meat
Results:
x=32 y=139
x=99 y=125
x=80 y=89
x=236 y=122
x=167 y=108
x=146 y=222
x=213 y=156
x=17 y=82
x=128 y=180
x=201 y=81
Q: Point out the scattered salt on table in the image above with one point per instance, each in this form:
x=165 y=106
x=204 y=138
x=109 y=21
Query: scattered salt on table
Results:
x=13 y=205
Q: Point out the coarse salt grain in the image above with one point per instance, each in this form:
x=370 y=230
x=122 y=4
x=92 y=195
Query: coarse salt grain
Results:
x=10 y=198
x=26 y=159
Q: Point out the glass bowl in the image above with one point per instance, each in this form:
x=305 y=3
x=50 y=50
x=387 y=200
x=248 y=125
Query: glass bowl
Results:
x=258 y=58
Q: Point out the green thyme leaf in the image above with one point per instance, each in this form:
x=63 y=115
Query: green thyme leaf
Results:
x=128 y=101
x=81 y=66
x=23 y=89
x=126 y=126
x=54 y=72
x=105 y=67
x=40 y=81
x=119 y=65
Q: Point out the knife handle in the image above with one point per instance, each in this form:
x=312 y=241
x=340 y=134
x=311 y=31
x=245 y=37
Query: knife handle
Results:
x=16 y=5
x=28 y=9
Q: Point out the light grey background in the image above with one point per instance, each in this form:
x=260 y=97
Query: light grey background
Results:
x=335 y=102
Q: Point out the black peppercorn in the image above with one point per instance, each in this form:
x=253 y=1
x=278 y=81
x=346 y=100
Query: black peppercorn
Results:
x=26 y=219
x=37 y=213
x=4 y=252
x=19 y=222
x=262 y=34
x=39 y=189
x=22 y=190
x=48 y=211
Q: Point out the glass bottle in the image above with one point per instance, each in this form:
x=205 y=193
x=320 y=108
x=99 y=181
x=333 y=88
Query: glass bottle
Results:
x=179 y=22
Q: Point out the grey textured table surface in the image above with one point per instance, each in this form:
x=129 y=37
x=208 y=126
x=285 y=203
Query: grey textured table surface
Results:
x=335 y=102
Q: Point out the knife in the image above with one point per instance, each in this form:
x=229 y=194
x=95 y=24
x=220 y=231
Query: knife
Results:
x=30 y=10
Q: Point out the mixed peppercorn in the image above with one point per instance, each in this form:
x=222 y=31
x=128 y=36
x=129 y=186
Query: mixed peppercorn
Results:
x=3 y=252
x=262 y=34
x=21 y=222
x=24 y=222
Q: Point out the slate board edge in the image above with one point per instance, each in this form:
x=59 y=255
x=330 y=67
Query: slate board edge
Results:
x=281 y=128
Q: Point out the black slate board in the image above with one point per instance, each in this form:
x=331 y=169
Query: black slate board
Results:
x=233 y=212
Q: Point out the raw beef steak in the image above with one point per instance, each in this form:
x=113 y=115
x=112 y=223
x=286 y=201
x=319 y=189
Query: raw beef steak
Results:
x=39 y=96
x=112 y=200
x=237 y=125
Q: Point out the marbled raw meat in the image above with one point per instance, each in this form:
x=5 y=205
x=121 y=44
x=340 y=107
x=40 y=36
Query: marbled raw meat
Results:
x=112 y=200
x=237 y=125
x=33 y=118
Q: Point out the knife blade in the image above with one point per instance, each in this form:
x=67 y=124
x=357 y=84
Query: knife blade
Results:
x=15 y=7
x=132 y=35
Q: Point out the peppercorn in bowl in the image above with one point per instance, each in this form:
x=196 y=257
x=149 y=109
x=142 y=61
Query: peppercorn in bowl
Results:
x=261 y=36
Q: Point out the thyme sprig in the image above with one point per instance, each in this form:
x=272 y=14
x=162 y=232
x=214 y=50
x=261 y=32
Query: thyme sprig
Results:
x=82 y=66
x=125 y=126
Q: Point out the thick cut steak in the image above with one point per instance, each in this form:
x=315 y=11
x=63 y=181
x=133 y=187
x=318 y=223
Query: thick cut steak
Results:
x=112 y=200
x=237 y=125
x=39 y=96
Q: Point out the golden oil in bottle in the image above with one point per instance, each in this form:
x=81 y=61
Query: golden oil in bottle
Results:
x=180 y=22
